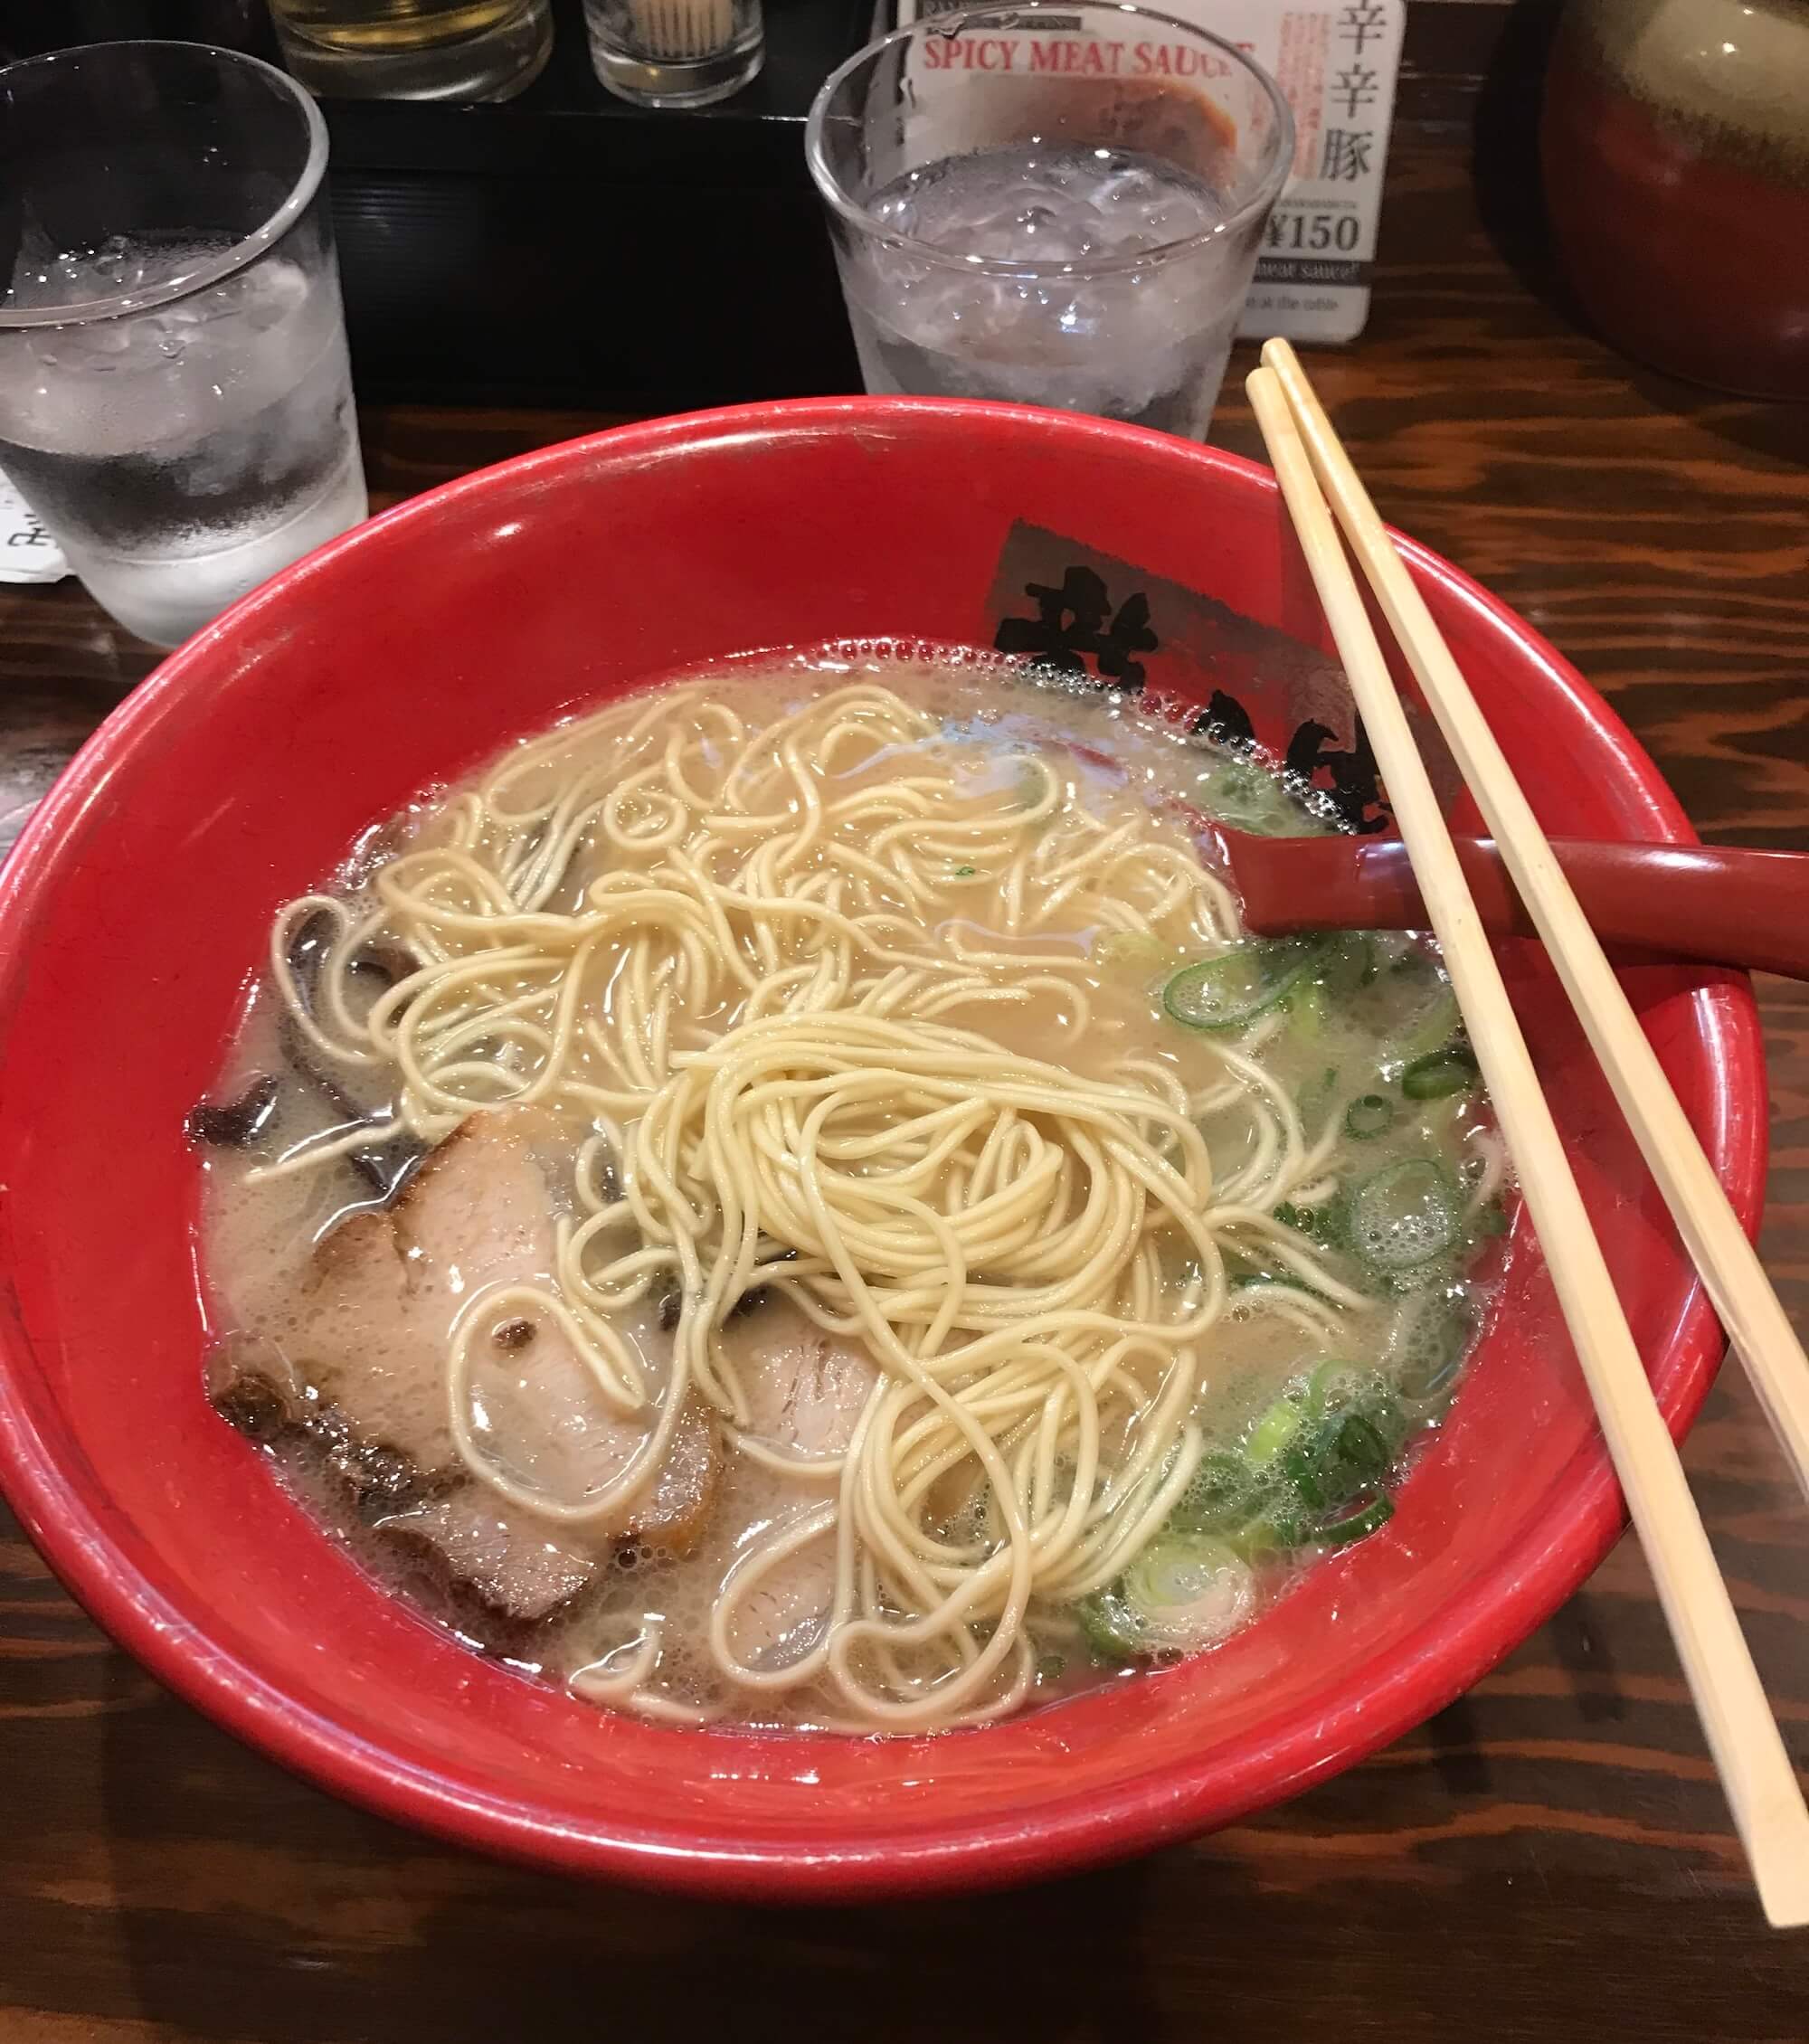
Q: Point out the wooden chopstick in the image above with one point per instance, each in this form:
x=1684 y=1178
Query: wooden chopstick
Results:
x=1755 y=1771
x=1742 y=1295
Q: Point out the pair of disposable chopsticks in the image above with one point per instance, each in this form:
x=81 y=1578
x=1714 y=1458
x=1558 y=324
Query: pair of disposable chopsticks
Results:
x=1755 y=1771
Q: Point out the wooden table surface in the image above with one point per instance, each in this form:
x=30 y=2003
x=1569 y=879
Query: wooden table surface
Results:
x=1549 y=1859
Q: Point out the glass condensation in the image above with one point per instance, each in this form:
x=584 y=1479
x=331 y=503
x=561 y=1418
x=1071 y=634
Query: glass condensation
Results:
x=1053 y=204
x=176 y=396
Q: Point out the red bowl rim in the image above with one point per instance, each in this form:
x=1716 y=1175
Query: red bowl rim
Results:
x=1465 y=1638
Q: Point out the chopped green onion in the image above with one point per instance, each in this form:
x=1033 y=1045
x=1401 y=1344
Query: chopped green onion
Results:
x=1442 y=1072
x=1315 y=1096
x=1338 y=1461
x=964 y=873
x=1359 y=1525
x=1183 y=1592
x=1395 y=954
x=1429 y=1027
x=1430 y=1339
x=1109 y=1625
x=1361 y=1448
x=1372 y=1115
x=1349 y=964
x=1344 y=1387
x=1051 y=1667
x=1307 y=1220
x=1273 y=1432
x=1323 y=1385
x=1404 y=1214
x=1219 y=1496
x=1306 y=1006
x=1313 y=1221
x=1248 y=797
x=1240 y=1269
x=1277 y=1532
x=1187 y=1591
x=1232 y=989
x=1335 y=1385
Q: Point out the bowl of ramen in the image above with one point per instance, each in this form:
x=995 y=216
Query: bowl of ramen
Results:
x=658 y=1219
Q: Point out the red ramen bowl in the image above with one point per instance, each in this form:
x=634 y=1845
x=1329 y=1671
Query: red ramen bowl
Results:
x=137 y=904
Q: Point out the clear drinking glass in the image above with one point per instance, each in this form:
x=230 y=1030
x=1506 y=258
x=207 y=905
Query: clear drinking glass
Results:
x=175 y=400
x=415 y=48
x=1056 y=203
x=675 y=52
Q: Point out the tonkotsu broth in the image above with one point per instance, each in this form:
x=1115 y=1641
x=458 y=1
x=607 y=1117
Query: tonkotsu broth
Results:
x=958 y=915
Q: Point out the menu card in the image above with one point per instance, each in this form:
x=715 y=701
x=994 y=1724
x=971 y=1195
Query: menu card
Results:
x=27 y=552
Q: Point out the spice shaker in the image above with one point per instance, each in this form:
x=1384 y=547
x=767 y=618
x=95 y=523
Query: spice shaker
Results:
x=675 y=52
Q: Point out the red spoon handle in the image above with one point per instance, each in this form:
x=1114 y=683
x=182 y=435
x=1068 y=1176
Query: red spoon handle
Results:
x=1723 y=905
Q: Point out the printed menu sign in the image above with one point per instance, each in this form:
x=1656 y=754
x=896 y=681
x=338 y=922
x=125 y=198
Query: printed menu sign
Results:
x=1337 y=63
x=1337 y=66
x=27 y=552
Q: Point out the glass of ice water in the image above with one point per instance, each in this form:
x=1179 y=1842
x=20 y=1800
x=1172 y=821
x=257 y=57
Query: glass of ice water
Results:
x=1054 y=203
x=175 y=401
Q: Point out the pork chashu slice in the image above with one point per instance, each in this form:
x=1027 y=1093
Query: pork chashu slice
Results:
x=805 y=1390
x=384 y=1291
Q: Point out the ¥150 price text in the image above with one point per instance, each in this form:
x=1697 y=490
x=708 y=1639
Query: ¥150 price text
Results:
x=1313 y=233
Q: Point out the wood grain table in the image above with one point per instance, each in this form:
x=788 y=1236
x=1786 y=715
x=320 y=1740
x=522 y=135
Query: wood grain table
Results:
x=1548 y=1859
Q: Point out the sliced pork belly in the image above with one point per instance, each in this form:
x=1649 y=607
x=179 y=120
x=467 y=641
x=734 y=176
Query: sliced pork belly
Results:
x=519 y=1567
x=384 y=1289
x=805 y=1390
x=805 y=1387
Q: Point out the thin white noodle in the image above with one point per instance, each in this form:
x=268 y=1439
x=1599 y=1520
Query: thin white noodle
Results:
x=748 y=958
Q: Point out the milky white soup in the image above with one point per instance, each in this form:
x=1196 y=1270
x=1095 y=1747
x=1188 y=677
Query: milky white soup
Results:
x=791 y=1200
